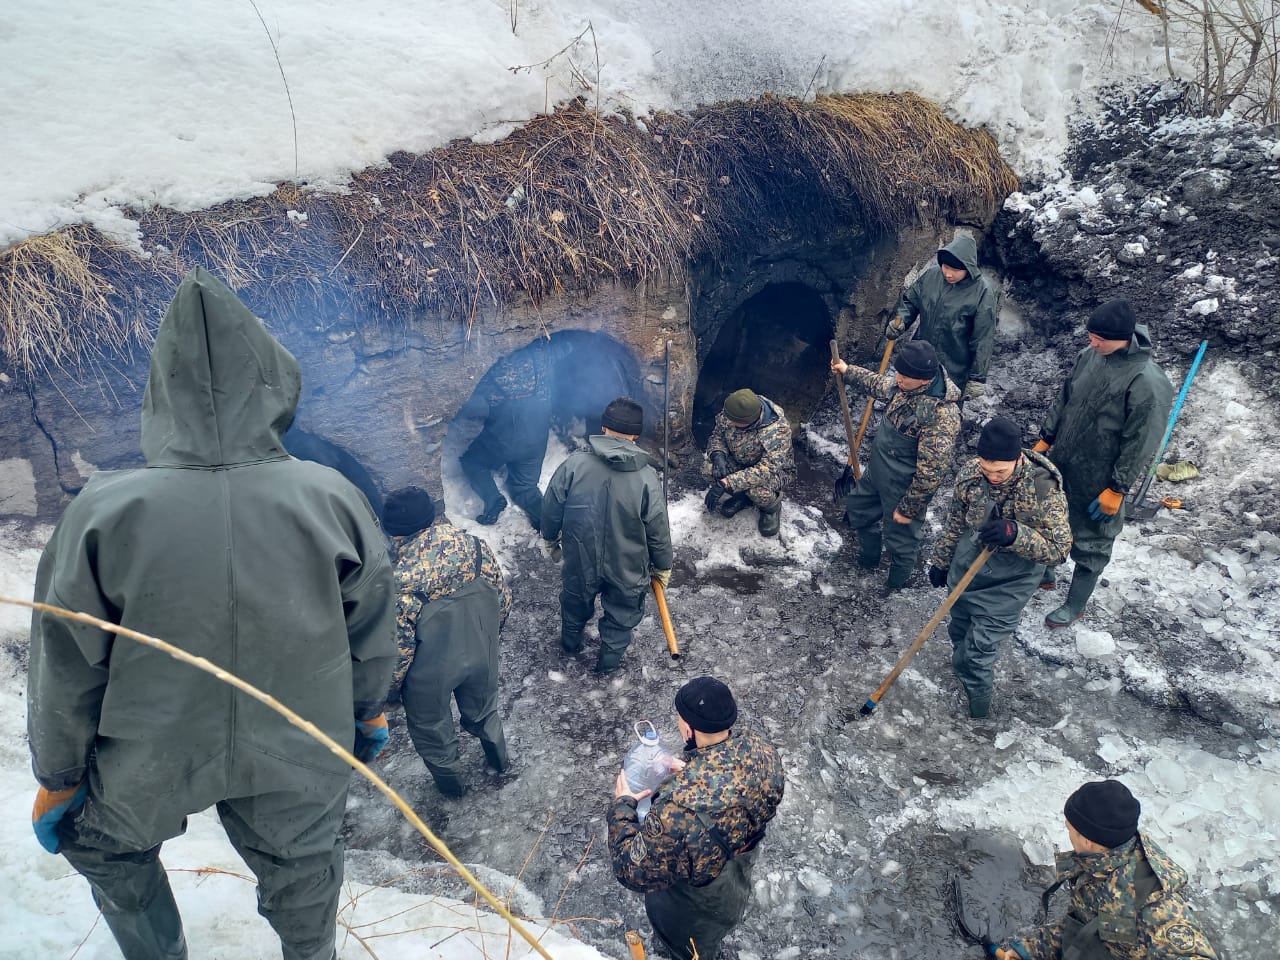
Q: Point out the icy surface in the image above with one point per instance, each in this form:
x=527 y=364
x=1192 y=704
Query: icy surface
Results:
x=185 y=105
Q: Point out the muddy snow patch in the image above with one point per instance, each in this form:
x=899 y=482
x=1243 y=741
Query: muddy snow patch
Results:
x=805 y=544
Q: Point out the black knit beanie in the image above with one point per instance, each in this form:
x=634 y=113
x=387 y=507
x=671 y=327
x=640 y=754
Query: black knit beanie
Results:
x=706 y=704
x=948 y=259
x=408 y=511
x=624 y=416
x=1104 y=811
x=1114 y=320
x=1001 y=439
x=916 y=359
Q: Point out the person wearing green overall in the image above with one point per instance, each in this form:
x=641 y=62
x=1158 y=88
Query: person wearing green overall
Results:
x=1010 y=500
x=1102 y=433
x=910 y=455
x=271 y=567
x=452 y=604
x=1127 y=895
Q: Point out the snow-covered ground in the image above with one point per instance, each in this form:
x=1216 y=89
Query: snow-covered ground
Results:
x=185 y=104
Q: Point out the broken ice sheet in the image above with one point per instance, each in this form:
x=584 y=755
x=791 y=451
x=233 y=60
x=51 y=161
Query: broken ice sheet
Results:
x=1112 y=748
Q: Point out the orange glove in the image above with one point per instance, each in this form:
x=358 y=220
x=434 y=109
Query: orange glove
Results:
x=50 y=807
x=1106 y=505
x=1042 y=446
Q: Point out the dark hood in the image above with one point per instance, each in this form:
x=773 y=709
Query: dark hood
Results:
x=966 y=251
x=1139 y=347
x=221 y=389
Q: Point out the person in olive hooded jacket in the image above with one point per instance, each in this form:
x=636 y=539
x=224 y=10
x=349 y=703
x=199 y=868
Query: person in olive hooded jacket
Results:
x=606 y=504
x=271 y=567
x=1102 y=432
x=957 y=308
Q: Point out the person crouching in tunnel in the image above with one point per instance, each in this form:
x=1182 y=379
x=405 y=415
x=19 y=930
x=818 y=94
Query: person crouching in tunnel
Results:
x=605 y=514
x=514 y=401
x=957 y=308
x=1011 y=500
x=1127 y=896
x=453 y=601
x=234 y=551
x=910 y=455
x=749 y=459
x=693 y=855
x=1102 y=433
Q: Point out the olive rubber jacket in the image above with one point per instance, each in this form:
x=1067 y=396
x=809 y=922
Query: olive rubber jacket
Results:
x=1108 y=419
x=959 y=319
x=605 y=503
x=272 y=568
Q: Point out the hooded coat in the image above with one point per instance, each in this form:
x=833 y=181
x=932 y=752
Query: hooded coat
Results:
x=605 y=503
x=272 y=568
x=1103 y=430
x=959 y=319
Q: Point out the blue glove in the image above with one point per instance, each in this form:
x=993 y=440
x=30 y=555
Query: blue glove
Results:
x=1106 y=506
x=371 y=738
x=50 y=807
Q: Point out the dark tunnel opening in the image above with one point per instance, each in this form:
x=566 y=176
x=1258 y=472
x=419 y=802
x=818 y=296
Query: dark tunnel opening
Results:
x=776 y=343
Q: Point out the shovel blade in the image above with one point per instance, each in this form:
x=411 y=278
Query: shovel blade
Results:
x=1144 y=511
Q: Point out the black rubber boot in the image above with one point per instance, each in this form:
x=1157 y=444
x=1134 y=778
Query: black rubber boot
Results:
x=570 y=639
x=736 y=503
x=154 y=932
x=899 y=574
x=492 y=512
x=770 y=521
x=450 y=784
x=495 y=755
x=869 y=548
x=979 y=707
x=1049 y=579
x=1082 y=583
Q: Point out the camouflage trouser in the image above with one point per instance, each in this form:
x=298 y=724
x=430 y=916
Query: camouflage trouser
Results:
x=765 y=495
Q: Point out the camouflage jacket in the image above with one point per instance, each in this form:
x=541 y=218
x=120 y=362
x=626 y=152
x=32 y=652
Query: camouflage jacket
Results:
x=1032 y=497
x=437 y=561
x=1104 y=886
x=929 y=416
x=759 y=452
x=735 y=785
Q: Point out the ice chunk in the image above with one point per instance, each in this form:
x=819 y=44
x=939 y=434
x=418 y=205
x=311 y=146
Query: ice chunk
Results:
x=1112 y=748
x=814 y=882
x=1005 y=739
x=1094 y=643
x=1166 y=775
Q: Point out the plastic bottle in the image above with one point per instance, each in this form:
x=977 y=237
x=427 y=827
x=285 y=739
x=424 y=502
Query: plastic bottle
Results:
x=647 y=764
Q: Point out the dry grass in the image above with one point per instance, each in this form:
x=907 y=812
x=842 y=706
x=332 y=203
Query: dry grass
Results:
x=569 y=200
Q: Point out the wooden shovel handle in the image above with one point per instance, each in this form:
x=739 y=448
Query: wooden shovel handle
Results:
x=932 y=625
x=866 y=413
x=664 y=614
x=844 y=408
x=635 y=945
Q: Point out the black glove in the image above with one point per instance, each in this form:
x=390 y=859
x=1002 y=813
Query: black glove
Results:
x=937 y=577
x=720 y=465
x=714 y=495
x=998 y=532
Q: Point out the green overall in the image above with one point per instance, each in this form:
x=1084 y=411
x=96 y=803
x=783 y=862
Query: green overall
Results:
x=890 y=471
x=456 y=659
x=706 y=914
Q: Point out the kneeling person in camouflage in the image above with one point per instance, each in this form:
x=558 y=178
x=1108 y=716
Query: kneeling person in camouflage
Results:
x=1011 y=500
x=749 y=455
x=910 y=455
x=692 y=857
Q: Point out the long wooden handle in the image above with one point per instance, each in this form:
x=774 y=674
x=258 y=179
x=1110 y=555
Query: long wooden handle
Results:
x=844 y=408
x=866 y=413
x=664 y=614
x=932 y=625
x=635 y=945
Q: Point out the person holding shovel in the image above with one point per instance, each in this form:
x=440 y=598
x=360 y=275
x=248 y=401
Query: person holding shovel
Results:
x=749 y=459
x=1011 y=500
x=957 y=308
x=1102 y=433
x=910 y=455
